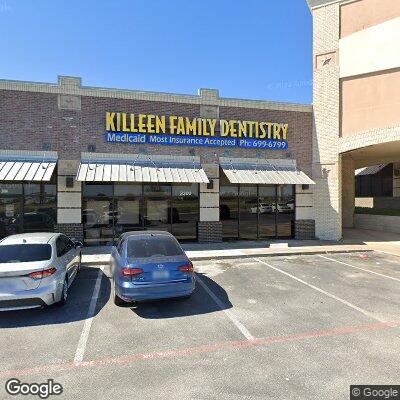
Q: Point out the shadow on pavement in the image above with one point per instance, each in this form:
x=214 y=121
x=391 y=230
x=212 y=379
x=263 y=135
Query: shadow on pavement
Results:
x=199 y=303
x=76 y=309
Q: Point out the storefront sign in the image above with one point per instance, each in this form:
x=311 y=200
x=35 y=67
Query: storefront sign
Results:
x=184 y=131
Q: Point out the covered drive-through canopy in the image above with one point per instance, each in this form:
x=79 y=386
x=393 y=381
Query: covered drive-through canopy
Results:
x=140 y=168
x=27 y=165
x=262 y=171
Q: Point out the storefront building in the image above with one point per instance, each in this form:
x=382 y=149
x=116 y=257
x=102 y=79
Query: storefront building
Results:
x=94 y=163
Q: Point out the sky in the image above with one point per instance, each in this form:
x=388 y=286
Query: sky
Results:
x=256 y=49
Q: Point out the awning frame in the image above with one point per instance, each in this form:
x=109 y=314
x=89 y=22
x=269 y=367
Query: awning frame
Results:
x=263 y=171
x=27 y=166
x=105 y=167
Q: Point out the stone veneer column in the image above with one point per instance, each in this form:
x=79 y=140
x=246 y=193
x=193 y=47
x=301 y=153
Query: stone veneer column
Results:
x=326 y=166
x=348 y=192
x=304 y=224
x=209 y=226
x=69 y=201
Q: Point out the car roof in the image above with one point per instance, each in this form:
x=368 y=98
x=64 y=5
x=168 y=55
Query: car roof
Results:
x=145 y=233
x=40 y=237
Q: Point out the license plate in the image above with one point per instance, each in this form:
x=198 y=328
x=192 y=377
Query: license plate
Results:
x=160 y=275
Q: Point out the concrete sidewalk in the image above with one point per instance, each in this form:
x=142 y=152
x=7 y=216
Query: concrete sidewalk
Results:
x=354 y=240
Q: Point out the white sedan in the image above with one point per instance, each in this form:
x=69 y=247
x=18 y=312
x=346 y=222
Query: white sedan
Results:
x=37 y=269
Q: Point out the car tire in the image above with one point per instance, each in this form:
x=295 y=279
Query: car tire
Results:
x=117 y=300
x=64 y=294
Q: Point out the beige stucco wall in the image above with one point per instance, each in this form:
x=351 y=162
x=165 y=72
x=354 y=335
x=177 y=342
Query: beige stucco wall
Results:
x=370 y=50
x=370 y=102
x=362 y=14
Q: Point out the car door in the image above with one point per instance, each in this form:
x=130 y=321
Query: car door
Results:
x=71 y=258
x=66 y=255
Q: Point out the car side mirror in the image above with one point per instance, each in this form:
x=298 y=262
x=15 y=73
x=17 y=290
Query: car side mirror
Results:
x=78 y=244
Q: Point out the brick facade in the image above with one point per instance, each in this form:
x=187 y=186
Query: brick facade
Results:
x=74 y=231
x=69 y=118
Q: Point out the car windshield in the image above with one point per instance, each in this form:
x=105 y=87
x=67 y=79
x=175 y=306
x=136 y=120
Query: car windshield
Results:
x=24 y=253
x=153 y=246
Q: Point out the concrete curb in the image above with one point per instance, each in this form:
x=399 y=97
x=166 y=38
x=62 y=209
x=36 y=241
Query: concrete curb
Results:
x=260 y=254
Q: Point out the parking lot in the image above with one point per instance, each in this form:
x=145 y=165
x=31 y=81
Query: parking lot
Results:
x=294 y=327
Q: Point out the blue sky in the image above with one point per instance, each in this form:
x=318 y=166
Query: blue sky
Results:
x=257 y=49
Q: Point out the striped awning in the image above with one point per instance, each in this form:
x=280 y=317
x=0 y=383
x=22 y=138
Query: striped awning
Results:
x=27 y=166
x=140 y=168
x=263 y=172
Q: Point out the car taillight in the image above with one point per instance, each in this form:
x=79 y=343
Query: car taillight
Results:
x=131 y=271
x=186 y=268
x=42 y=274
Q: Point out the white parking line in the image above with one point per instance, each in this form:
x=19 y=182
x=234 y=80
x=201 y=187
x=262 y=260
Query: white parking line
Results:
x=228 y=313
x=80 y=350
x=332 y=296
x=362 y=269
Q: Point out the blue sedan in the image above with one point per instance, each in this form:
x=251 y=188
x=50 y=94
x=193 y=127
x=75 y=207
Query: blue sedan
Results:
x=150 y=265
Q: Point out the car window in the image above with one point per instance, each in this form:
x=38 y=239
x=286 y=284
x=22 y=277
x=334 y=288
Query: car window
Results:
x=63 y=245
x=70 y=245
x=60 y=246
x=153 y=246
x=24 y=253
x=120 y=247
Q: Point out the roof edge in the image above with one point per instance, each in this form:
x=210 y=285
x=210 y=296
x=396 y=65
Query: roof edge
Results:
x=69 y=85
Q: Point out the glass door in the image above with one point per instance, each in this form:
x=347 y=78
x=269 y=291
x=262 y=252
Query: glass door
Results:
x=157 y=207
x=98 y=214
x=128 y=206
x=267 y=215
x=229 y=211
x=248 y=217
x=185 y=211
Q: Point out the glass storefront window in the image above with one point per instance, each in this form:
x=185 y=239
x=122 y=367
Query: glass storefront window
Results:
x=27 y=207
x=157 y=190
x=97 y=190
x=110 y=210
x=285 y=210
x=229 y=211
x=257 y=212
x=127 y=190
x=248 y=214
x=7 y=189
x=267 y=215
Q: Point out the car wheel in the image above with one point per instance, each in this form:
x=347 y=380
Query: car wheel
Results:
x=117 y=300
x=64 y=294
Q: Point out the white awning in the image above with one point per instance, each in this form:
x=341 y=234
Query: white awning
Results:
x=263 y=172
x=140 y=168
x=27 y=166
